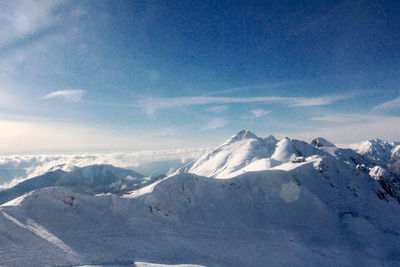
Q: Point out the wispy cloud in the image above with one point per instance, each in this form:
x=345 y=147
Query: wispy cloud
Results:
x=20 y=18
x=388 y=105
x=339 y=118
x=70 y=95
x=152 y=104
x=315 y=101
x=216 y=109
x=237 y=89
x=216 y=123
x=368 y=127
x=163 y=132
x=260 y=112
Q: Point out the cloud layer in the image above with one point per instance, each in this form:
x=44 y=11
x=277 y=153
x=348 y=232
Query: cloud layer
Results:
x=152 y=104
x=16 y=168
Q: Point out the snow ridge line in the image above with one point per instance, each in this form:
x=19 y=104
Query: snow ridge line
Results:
x=43 y=233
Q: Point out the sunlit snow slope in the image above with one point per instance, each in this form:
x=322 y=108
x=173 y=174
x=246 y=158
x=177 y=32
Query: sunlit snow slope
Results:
x=287 y=203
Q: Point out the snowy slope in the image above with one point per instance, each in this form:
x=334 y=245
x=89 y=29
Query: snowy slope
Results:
x=280 y=203
x=245 y=152
x=236 y=153
x=94 y=179
x=394 y=164
x=382 y=153
x=384 y=158
x=270 y=218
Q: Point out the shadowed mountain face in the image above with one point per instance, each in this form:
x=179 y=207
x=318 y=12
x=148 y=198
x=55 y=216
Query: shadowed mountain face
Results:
x=268 y=203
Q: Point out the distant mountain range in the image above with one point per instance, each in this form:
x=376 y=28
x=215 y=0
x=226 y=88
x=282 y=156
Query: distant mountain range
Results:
x=251 y=201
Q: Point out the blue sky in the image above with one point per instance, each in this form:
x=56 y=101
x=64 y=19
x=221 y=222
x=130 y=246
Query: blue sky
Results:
x=85 y=76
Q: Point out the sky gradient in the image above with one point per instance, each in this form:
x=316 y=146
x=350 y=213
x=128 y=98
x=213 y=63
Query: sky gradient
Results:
x=101 y=76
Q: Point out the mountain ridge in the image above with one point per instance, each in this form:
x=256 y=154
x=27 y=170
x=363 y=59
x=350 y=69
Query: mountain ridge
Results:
x=93 y=179
x=263 y=202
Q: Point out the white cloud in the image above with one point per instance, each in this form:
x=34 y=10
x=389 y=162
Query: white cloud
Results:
x=260 y=112
x=70 y=95
x=30 y=29
x=216 y=109
x=216 y=123
x=20 y=18
x=388 y=105
x=315 y=101
x=152 y=104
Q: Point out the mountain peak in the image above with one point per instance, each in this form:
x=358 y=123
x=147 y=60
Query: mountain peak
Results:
x=321 y=142
x=380 y=142
x=243 y=134
x=270 y=136
x=239 y=151
x=270 y=141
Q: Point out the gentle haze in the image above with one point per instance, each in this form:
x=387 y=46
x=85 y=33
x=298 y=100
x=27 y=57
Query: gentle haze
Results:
x=87 y=76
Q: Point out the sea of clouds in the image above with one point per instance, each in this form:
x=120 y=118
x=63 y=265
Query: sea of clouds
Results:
x=16 y=168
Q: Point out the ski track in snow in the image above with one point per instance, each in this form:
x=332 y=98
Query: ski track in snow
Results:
x=43 y=233
x=310 y=202
x=147 y=264
x=17 y=201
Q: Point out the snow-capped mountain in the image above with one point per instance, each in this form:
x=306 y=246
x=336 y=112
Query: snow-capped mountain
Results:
x=384 y=157
x=382 y=153
x=245 y=152
x=239 y=151
x=94 y=179
x=321 y=142
x=249 y=202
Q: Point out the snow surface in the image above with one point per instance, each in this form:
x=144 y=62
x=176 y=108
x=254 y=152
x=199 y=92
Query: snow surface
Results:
x=378 y=172
x=378 y=151
x=17 y=201
x=16 y=168
x=143 y=191
x=239 y=151
x=146 y=264
x=44 y=234
x=94 y=180
x=255 y=207
x=246 y=152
